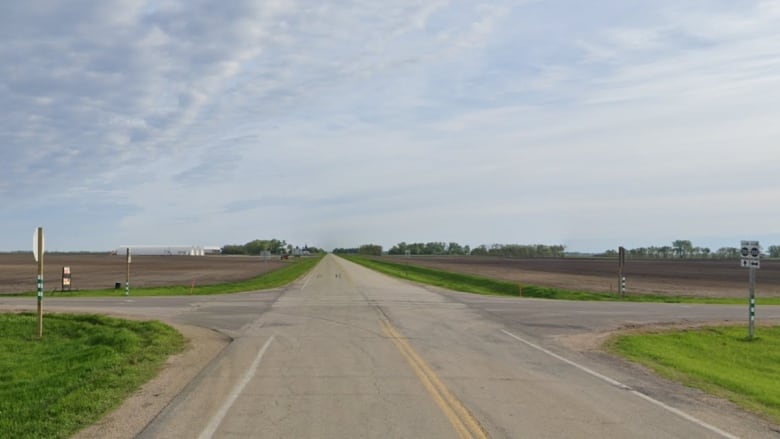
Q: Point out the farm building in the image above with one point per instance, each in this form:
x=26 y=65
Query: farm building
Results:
x=167 y=250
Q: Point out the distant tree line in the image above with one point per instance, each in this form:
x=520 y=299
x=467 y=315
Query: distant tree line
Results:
x=453 y=248
x=685 y=249
x=679 y=249
x=370 y=250
x=430 y=248
x=366 y=249
x=260 y=246
x=520 y=251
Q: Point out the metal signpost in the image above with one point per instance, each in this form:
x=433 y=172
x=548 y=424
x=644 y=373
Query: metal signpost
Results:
x=621 y=273
x=127 y=279
x=751 y=254
x=38 y=249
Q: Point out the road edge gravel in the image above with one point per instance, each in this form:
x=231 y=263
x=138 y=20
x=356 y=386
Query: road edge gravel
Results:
x=141 y=408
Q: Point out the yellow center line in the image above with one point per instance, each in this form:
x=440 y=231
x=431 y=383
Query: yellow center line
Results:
x=460 y=418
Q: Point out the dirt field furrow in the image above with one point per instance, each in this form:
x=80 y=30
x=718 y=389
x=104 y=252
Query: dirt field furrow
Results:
x=18 y=271
x=719 y=278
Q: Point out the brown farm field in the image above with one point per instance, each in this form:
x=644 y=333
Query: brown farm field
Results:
x=679 y=277
x=18 y=271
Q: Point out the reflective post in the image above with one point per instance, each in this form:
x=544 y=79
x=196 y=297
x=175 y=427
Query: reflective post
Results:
x=40 y=282
x=752 y=304
x=127 y=279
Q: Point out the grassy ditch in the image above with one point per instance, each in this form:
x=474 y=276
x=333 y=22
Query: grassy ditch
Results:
x=482 y=285
x=718 y=360
x=273 y=279
x=453 y=281
x=84 y=366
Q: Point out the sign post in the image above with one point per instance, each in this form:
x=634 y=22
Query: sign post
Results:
x=751 y=254
x=621 y=273
x=38 y=249
x=127 y=279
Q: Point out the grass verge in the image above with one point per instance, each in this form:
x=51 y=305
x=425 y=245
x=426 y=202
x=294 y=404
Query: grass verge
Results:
x=453 y=281
x=718 y=360
x=84 y=366
x=482 y=285
x=272 y=279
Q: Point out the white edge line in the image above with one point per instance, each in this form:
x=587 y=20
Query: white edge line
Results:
x=216 y=420
x=620 y=385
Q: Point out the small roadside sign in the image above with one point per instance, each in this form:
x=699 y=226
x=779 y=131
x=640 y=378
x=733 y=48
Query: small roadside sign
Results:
x=751 y=263
x=66 y=278
x=750 y=249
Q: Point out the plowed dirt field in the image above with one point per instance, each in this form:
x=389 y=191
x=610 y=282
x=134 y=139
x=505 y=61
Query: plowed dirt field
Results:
x=716 y=278
x=18 y=271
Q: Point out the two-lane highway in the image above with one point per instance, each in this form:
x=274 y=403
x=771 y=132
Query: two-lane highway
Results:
x=350 y=353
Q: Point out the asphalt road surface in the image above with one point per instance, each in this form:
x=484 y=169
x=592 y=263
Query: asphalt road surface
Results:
x=349 y=353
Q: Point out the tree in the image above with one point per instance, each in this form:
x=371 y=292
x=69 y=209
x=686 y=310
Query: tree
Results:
x=256 y=247
x=398 y=249
x=727 y=253
x=454 y=249
x=233 y=249
x=683 y=248
x=435 y=248
x=774 y=251
x=370 y=250
x=480 y=251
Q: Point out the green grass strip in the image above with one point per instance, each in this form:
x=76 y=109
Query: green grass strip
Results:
x=718 y=360
x=452 y=281
x=273 y=279
x=482 y=285
x=84 y=366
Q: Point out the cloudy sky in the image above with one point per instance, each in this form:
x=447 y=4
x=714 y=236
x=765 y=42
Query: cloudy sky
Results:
x=589 y=124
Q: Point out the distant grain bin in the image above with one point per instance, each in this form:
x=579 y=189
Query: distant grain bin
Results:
x=166 y=250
